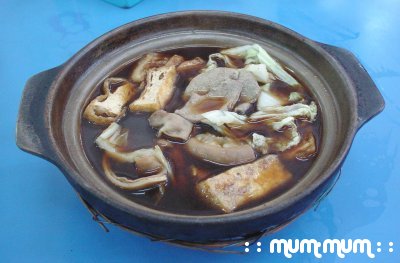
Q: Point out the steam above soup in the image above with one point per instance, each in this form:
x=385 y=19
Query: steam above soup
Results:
x=207 y=130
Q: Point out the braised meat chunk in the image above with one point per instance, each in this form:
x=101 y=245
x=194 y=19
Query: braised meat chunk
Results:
x=220 y=150
x=171 y=125
x=224 y=85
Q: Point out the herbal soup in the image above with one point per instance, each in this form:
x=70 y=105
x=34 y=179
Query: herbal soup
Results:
x=202 y=130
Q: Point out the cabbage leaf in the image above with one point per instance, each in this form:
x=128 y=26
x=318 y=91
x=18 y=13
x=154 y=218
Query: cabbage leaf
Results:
x=255 y=54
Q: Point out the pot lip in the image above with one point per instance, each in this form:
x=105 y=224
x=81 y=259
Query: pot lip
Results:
x=162 y=216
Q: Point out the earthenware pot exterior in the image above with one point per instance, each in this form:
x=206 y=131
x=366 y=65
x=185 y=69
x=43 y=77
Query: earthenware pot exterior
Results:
x=52 y=103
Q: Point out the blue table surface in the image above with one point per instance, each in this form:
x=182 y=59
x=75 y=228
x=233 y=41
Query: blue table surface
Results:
x=41 y=218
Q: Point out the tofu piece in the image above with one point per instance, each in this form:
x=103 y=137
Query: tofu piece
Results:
x=242 y=184
x=175 y=60
x=158 y=91
x=149 y=61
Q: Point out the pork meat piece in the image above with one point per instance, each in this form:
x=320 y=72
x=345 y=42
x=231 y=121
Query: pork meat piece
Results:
x=171 y=125
x=219 y=150
x=227 y=86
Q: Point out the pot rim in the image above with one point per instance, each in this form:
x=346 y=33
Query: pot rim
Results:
x=156 y=215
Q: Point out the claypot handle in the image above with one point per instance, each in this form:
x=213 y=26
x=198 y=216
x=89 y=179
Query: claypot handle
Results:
x=32 y=133
x=370 y=100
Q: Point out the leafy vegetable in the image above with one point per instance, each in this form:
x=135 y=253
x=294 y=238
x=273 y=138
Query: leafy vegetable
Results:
x=267 y=99
x=259 y=72
x=292 y=137
x=279 y=118
x=298 y=110
x=221 y=117
x=260 y=143
x=295 y=97
x=220 y=120
x=255 y=54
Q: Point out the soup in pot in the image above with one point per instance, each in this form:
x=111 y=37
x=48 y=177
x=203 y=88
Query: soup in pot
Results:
x=202 y=130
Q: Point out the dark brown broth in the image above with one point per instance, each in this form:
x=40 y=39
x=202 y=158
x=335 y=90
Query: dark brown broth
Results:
x=180 y=195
